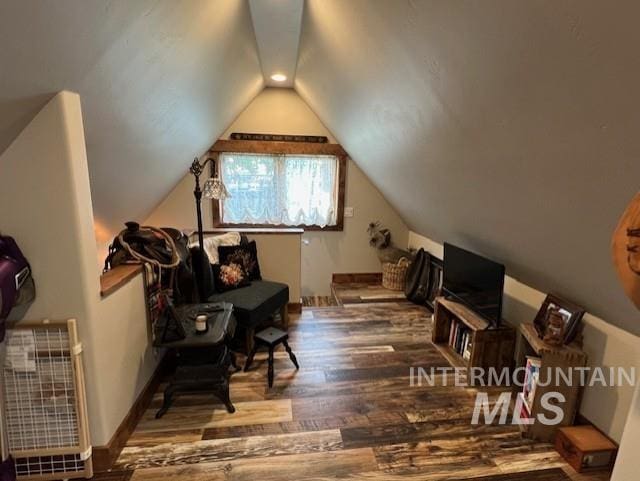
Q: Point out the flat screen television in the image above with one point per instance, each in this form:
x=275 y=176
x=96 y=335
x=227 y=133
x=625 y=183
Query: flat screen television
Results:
x=475 y=281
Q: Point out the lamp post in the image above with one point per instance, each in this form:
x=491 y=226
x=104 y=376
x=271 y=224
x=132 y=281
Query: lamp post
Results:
x=214 y=188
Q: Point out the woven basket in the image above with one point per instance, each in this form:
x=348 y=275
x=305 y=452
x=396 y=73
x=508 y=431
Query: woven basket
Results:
x=394 y=275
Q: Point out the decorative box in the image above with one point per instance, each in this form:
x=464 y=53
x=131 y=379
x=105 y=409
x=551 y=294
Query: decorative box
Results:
x=585 y=448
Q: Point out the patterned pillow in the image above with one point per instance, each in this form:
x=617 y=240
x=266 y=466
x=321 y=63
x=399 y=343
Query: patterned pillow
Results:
x=245 y=255
x=229 y=276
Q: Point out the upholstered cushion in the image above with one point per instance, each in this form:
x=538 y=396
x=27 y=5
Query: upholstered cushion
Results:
x=256 y=302
x=211 y=244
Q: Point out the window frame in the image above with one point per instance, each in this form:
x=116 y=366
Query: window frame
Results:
x=282 y=148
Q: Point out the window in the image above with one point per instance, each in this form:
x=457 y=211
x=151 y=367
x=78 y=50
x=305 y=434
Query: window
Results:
x=271 y=189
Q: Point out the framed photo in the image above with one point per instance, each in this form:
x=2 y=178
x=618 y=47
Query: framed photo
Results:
x=571 y=314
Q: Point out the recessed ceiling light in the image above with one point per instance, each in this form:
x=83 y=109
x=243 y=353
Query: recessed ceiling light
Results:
x=278 y=77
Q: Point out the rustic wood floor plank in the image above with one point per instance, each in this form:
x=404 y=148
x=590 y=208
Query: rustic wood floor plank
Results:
x=207 y=416
x=215 y=450
x=470 y=450
x=331 y=465
x=388 y=434
x=309 y=425
x=150 y=439
x=349 y=413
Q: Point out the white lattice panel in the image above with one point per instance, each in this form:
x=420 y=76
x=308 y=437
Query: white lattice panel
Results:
x=44 y=401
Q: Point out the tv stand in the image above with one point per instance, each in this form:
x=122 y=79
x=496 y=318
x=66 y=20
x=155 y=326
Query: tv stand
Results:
x=486 y=347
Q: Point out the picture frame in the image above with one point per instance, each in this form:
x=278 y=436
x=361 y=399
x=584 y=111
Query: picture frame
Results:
x=572 y=314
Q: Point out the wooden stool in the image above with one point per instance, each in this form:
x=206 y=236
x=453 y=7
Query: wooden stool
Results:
x=271 y=337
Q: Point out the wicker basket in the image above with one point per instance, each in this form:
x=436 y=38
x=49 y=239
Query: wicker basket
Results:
x=394 y=275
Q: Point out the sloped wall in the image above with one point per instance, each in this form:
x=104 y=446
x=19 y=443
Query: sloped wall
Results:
x=508 y=127
x=159 y=80
x=282 y=111
x=627 y=461
x=606 y=345
x=45 y=203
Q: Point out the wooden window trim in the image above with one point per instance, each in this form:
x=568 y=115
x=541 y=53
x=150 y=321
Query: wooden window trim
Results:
x=291 y=148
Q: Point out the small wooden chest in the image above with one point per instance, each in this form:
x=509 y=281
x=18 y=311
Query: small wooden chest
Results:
x=585 y=448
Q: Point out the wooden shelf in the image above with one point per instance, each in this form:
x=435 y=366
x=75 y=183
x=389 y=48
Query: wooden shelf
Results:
x=466 y=315
x=455 y=359
x=540 y=347
x=117 y=277
x=490 y=347
x=552 y=358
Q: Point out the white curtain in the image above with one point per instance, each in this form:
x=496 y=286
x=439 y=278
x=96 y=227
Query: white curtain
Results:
x=280 y=189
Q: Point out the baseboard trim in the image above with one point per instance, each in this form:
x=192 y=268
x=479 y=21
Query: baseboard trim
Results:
x=105 y=456
x=363 y=277
x=294 y=307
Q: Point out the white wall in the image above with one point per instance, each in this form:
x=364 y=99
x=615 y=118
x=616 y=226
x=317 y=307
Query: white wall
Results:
x=45 y=203
x=282 y=111
x=349 y=251
x=627 y=463
x=278 y=111
x=605 y=344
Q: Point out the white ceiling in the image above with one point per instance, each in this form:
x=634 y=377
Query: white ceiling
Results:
x=159 y=80
x=277 y=27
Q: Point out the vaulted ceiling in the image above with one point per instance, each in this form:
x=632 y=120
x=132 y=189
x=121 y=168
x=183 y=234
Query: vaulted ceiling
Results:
x=508 y=127
x=159 y=81
x=277 y=25
x=511 y=128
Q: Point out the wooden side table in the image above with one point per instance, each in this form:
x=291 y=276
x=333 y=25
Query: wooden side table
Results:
x=204 y=360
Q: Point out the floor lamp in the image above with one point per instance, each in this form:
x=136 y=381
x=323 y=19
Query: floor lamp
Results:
x=213 y=189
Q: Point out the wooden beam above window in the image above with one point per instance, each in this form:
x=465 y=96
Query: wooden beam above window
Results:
x=274 y=147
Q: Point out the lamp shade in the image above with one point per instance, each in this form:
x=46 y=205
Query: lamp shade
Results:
x=214 y=189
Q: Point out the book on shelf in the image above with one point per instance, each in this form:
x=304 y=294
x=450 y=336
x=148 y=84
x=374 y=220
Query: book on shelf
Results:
x=466 y=353
x=452 y=331
x=463 y=341
x=460 y=339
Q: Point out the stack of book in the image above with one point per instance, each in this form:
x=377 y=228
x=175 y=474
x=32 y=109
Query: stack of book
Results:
x=460 y=339
x=531 y=376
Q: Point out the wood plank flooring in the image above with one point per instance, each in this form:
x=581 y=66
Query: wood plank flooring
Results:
x=319 y=301
x=348 y=413
x=362 y=292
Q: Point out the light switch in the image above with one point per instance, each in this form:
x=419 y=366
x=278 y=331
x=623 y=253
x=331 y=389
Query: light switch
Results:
x=348 y=211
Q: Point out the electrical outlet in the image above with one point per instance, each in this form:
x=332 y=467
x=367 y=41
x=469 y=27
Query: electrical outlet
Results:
x=348 y=211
